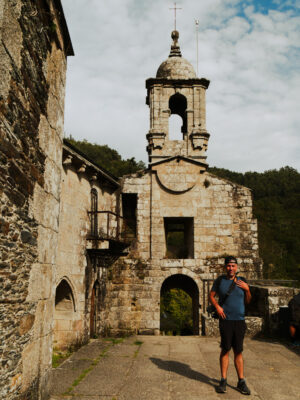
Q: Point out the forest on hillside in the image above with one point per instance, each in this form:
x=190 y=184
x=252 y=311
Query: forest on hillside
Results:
x=276 y=205
x=107 y=158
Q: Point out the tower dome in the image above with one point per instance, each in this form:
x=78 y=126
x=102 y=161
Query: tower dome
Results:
x=175 y=67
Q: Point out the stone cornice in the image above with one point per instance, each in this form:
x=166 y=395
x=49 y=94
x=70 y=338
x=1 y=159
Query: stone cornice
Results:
x=64 y=28
x=72 y=156
x=179 y=157
x=177 y=82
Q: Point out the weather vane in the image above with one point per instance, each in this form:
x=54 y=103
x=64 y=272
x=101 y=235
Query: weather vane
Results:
x=175 y=9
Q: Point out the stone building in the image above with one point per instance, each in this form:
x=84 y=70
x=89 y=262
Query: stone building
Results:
x=85 y=189
x=177 y=197
x=84 y=253
x=34 y=45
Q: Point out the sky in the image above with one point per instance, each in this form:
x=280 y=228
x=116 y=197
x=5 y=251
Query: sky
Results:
x=249 y=50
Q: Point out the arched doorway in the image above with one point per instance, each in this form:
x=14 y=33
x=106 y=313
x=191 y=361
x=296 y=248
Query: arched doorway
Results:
x=64 y=315
x=94 y=309
x=184 y=286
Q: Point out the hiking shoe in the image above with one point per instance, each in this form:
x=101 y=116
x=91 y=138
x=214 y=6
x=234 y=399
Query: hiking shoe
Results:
x=296 y=343
x=222 y=386
x=242 y=387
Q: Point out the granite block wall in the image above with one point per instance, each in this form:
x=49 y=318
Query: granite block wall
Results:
x=33 y=50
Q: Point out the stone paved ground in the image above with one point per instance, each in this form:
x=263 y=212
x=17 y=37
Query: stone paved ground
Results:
x=165 y=368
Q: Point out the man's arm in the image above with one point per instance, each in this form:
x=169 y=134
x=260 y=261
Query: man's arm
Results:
x=243 y=285
x=214 y=302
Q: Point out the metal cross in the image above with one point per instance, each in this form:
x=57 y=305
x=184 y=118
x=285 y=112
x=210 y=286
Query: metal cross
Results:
x=175 y=8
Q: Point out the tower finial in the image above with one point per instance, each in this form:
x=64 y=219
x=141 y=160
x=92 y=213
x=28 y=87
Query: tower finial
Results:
x=175 y=9
x=175 y=48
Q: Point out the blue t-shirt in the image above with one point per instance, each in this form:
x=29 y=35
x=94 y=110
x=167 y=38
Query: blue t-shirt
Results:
x=234 y=306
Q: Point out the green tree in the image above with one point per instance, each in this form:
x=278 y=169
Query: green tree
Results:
x=106 y=157
x=176 y=312
x=276 y=205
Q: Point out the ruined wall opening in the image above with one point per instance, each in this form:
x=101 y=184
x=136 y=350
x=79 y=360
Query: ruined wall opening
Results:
x=94 y=311
x=64 y=314
x=179 y=306
x=179 y=237
x=129 y=206
x=177 y=120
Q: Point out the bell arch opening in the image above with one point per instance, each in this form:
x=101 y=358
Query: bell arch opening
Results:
x=177 y=119
x=179 y=306
x=175 y=126
x=64 y=315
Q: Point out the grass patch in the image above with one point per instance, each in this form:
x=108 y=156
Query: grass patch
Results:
x=137 y=343
x=113 y=341
x=81 y=376
x=58 y=357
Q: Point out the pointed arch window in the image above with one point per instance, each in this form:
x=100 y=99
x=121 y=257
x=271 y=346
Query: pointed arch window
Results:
x=64 y=299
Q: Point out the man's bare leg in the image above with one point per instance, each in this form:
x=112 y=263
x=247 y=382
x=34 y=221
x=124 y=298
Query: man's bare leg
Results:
x=224 y=362
x=239 y=364
x=292 y=330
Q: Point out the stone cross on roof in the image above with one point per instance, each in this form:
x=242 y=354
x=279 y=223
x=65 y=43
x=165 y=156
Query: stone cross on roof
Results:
x=175 y=8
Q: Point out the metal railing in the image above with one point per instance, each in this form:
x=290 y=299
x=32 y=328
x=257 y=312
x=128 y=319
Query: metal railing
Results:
x=107 y=225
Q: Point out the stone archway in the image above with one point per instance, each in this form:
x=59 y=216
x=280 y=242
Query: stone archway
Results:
x=189 y=286
x=64 y=315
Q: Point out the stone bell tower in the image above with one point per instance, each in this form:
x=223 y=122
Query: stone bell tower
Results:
x=182 y=218
x=177 y=90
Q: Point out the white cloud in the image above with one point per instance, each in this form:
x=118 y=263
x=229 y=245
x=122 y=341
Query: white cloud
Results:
x=253 y=63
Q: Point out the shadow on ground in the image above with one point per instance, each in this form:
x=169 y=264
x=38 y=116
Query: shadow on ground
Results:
x=184 y=370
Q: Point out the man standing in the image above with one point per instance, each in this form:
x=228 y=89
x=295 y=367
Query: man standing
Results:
x=233 y=294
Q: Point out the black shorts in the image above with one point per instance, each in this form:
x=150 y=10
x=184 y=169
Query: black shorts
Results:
x=232 y=334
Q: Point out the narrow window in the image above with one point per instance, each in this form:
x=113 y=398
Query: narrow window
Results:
x=179 y=237
x=129 y=205
x=94 y=213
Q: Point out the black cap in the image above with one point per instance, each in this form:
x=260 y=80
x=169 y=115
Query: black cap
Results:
x=230 y=258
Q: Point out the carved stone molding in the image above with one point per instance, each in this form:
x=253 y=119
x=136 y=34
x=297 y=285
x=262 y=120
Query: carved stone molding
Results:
x=200 y=140
x=156 y=140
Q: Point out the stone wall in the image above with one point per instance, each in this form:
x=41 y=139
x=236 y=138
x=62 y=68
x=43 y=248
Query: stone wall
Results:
x=210 y=326
x=73 y=264
x=222 y=212
x=222 y=224
x=33 y=50
x=266 y=313
x=270 y=302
